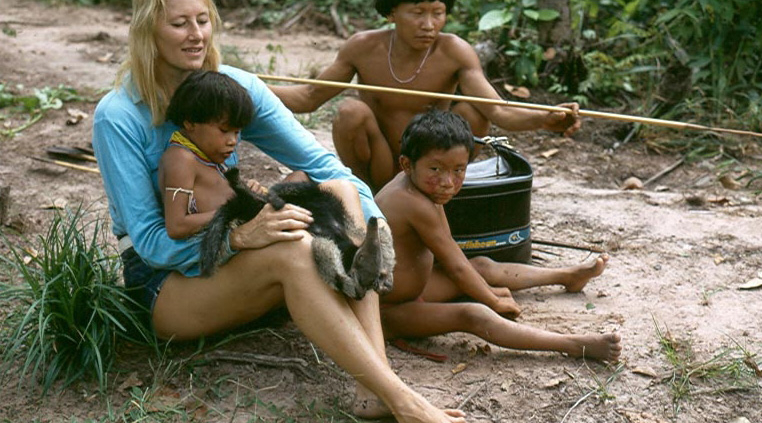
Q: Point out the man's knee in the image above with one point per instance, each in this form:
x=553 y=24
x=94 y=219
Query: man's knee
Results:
x=352 y=112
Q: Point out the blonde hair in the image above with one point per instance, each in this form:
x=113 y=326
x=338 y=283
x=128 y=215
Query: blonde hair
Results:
x=141 y=62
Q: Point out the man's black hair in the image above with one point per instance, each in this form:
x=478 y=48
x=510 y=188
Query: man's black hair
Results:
x=209 y=96
x=384 y=7
x=435 y=130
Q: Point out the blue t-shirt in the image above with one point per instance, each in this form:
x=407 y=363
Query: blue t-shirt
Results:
x=128 y=148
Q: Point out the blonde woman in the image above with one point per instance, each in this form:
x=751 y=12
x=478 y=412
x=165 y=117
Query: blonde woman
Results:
x=270 y=262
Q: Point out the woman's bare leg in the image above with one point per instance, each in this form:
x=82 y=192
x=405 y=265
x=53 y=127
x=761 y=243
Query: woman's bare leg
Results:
x=366 y=404
x=191 y=307
x=403 y=320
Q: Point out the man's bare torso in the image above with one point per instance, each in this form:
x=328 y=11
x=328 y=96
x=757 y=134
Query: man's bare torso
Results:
x=394 y=111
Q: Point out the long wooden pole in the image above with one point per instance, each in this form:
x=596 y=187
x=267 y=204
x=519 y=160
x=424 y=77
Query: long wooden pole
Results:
x=499 y=102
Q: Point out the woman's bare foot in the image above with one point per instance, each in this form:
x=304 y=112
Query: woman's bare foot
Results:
x=368 y=406
x=417 y=410
x=605 y=347
x=580 y=275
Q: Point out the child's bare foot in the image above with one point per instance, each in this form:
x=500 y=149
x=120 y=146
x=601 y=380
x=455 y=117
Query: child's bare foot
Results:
x=580 y=275
x=605 y=347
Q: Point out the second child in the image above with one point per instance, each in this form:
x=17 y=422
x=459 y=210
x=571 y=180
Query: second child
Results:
x=432 y=270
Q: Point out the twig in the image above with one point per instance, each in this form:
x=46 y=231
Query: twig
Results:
x=66 y=164
x=30 y=23
x=579 y=401
x=659 y=175
x=297 y=17
x=471 y=395
x=340 y=30
x=564 y=245
x=544 y=251
x=501 y=102
x=293 y=363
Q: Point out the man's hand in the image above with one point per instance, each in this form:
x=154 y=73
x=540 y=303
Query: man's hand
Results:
x=567 y=123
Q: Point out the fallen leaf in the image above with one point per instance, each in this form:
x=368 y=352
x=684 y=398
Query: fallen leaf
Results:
x=752 y=284
x=58 y=204
x=549 y=153
x=720 y=200
x=486 y=349
x=521 y=92
x=75 y=116
x=645 y=371
x=636 y=416
x=131 y=381
x=728 y=182
x=753 y=365
x=459 y=368
x=631 y=183
x=554 y=382
x=105 y=58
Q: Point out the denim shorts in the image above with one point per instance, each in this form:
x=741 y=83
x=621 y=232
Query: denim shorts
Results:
x=143 y=282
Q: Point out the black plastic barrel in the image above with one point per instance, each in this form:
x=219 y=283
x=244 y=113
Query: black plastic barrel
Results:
x=490 y=215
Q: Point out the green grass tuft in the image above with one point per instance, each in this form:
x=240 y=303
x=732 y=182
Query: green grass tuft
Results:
x=68 y=309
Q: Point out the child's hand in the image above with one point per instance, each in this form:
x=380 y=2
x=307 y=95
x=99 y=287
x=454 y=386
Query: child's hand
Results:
x=255 y=186
x=506 y=307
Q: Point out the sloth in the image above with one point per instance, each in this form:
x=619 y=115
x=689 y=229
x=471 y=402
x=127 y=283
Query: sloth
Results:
x=347 y=267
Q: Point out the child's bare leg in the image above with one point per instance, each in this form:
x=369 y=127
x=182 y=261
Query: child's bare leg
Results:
x=517 y=276
x=404 y=320
x=440 y=289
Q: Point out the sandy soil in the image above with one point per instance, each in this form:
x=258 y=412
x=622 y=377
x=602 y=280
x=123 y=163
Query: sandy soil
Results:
x=679 y=251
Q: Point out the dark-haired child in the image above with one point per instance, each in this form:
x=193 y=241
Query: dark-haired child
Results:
x=210 y=108
x=432 y=270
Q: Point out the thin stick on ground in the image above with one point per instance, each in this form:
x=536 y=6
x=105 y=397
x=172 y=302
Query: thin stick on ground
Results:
x=66 y=164
x=664 y=172
x=565 y=245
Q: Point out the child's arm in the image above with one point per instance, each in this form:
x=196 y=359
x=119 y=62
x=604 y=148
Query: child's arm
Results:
x=430 y=223
x=176 y=170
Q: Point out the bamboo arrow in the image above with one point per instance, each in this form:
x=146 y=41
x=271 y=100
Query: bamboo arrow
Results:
x=499 y=102
x=66 y=164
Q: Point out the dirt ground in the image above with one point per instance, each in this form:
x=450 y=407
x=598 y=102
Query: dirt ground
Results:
x=680 y=249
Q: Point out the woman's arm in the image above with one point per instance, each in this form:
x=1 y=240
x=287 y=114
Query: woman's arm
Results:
x=277 y=133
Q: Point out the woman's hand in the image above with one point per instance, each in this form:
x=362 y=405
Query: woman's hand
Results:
x=568 y=123
x=271 y=226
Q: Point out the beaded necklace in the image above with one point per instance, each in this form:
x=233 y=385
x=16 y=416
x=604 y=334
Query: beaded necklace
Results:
x=417 y=71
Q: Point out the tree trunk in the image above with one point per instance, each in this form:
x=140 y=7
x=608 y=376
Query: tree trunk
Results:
x=556 y=33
